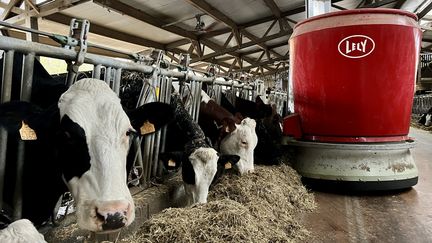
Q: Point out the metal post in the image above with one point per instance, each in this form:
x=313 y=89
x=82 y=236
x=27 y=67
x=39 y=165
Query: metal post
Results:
x=317 y=7
x=198 y=100
x=5 y=97
x=97 y=71
x=107 y=76
x=71 y=76
x=26 y=87
x=117 y=80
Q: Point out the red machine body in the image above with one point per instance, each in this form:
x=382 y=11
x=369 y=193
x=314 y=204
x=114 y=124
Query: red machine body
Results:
x=353 y=75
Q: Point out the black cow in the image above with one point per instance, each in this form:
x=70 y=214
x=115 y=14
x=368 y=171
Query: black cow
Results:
x=188 y=147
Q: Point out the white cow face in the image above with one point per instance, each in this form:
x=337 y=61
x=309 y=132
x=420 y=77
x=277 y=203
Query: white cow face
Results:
x=242 y=142
x=95 y=147
x=204 y=163
x=95 y=141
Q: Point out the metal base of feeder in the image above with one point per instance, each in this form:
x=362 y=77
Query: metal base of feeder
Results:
x=377 y=166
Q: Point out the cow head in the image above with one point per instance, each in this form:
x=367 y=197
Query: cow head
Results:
x=242 y=142
x=92 y=140
x=199 y=170
x=95 y=143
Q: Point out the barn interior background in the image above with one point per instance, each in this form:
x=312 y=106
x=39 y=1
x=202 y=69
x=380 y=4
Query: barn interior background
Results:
x=243 y=43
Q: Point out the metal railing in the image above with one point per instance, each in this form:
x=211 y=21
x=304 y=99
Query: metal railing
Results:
x=155 y=88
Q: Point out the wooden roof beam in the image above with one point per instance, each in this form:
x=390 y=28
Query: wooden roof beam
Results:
x=8 y=9
x=378 y=4
x=218 y=15
x=283 y=23
x=425 y=10
x=244 y=45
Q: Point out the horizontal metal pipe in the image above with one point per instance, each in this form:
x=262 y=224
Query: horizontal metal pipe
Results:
x=9 y=43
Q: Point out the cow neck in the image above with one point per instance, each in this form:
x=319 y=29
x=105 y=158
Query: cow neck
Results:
x=216 y=112
x=195 y=135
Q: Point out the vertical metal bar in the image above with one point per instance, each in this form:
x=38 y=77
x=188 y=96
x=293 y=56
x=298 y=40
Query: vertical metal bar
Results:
x=70 y=78
x=156 y=142
x=149 y=155
x=163 y=98
x=5 y=97
x=107 y=77
x=26 y=87
x=97 y=71
x=138 y=158
x=156 y=148
x=27 y=77
x=194 y=97
x=198 y=102
x=117 y=80
x=7 y=76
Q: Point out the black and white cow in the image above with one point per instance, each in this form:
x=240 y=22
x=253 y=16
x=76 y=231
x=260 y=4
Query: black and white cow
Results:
x=232 y=134
x=268 y=127
x=21 y=231
x=426 y=118
x=82 y=140
x=188 y=147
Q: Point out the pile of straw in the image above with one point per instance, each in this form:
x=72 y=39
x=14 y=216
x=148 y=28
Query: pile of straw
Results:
x=415 y=124
x=264 y=206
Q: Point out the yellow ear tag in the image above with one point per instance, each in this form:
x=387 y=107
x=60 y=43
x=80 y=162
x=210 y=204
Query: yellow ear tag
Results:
x=228 y=165
x=157 y=91
x=26 y=132
x=171 y=163
x=147 y=128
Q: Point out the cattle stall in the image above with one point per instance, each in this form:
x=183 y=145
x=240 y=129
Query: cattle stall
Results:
x=157 y=87
x=421 y=104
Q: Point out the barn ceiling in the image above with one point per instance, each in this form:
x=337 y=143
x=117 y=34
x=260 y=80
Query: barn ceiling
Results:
x=241 y=35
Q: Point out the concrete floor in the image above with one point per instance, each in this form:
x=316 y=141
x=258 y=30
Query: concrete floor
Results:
x=401 y=216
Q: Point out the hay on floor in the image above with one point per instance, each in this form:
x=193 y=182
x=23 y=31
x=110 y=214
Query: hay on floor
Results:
x=264 y=206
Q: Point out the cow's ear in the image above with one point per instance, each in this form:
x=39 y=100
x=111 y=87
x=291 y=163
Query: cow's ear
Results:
x=171 y=160
x=228 y=160
x=228 y=125
x=239 y=116
x=150 y=117
x=14 y=113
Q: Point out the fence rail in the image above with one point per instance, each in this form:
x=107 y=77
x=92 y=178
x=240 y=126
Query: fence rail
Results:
x=156 y=88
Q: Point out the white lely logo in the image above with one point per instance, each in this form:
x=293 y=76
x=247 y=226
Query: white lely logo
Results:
x=356 y=46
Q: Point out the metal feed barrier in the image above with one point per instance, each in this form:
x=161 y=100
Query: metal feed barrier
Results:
x=422 y=103
x=155 y=88
x=279 y=99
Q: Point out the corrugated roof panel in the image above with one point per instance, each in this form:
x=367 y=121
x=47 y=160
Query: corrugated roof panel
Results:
x=241 y=11
x=282 y=50
x=113 y=20
x=53 y=27
x=173 y=11
x=278 y=40
x=285 y=5
x=259 y=30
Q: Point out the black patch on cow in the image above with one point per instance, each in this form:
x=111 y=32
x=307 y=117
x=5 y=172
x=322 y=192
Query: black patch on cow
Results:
x=157 y=113
x=74 y=153
x=222 y=161
x=188 y=172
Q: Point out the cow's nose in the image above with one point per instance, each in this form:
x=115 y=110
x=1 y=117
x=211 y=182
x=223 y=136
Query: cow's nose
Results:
x=113 y=214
